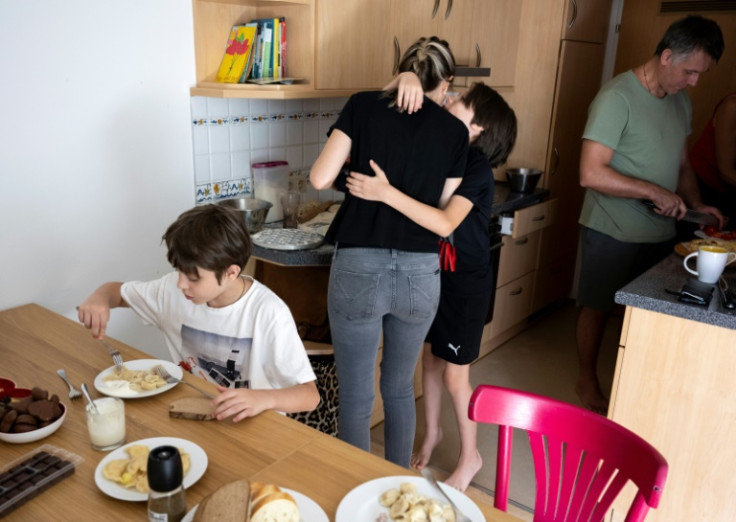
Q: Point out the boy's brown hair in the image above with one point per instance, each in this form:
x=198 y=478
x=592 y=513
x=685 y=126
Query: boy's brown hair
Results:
x=210 y=237
x=498 y=120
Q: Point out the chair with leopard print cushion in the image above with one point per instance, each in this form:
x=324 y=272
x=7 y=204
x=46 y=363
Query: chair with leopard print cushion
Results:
x=324 y=417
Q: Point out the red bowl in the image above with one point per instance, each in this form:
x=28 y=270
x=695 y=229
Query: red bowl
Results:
x=6 y=385
x=18 y=393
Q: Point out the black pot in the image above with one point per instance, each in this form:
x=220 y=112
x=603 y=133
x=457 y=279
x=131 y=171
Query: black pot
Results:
x=523 y=179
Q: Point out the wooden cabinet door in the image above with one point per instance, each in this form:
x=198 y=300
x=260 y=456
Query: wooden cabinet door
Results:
x=412 y=19
x=518 y=257
x=495 y=32
x=354 y=44
x=578 y=81
x=587 y=20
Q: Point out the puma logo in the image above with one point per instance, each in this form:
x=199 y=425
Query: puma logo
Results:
x=453 y=348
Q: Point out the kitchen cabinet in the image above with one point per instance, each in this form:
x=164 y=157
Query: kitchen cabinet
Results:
x=576 y=82
x=212 y=21
x=481 y=33
x=587 y=20
x=673 y=386
x=355 y=47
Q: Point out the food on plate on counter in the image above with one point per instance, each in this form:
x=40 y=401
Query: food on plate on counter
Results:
x=30 y=413
x=408 y=505
x=268 y=503
x=694 y=244
x=727 y=235
x=132 y=472
x=136 y=380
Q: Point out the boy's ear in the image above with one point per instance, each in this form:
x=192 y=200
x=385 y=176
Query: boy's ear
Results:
x=233 y=271
x=475 y=131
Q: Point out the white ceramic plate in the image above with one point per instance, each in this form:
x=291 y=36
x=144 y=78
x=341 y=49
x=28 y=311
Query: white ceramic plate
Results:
x=115 y=490
x=33 y=436
x=309 y=510
x=103 y=387
x=361 y=504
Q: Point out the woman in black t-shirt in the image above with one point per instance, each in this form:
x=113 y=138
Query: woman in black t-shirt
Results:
x=384 y=278
x=467 y=276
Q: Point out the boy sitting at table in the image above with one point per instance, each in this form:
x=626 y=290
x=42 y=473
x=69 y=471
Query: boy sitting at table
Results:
x=218 y=324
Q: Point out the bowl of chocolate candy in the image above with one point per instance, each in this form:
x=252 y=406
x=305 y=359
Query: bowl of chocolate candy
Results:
x=31 y=417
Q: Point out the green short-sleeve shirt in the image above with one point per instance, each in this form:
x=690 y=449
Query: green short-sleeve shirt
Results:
x=647 y=135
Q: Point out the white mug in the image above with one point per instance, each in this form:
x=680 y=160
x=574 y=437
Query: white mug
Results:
x=712 y=260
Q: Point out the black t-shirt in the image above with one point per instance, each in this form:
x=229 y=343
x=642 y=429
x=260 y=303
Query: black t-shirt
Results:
x=417 y=151
x=472 y=237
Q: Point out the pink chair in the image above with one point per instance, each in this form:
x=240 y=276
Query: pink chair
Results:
x=581 y=459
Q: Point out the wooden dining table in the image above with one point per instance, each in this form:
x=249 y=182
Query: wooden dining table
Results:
x=270 y=447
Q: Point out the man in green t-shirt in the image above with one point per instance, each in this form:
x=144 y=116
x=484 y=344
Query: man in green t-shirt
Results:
x=634 y=148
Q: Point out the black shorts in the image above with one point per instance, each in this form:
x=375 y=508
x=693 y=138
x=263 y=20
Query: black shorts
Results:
x=458 y=326
x=607 y=265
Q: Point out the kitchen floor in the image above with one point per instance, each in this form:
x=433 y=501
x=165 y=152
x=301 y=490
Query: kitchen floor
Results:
x=542 y=359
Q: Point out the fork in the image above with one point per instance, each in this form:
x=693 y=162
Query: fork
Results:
x=165 y=375
x=116 y=357
x=459 y=515
x=73 y=392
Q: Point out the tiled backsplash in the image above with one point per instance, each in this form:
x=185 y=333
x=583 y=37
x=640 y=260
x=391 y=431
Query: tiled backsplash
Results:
x=231 y=134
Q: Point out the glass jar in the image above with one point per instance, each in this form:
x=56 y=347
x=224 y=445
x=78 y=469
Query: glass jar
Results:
x=166 y=496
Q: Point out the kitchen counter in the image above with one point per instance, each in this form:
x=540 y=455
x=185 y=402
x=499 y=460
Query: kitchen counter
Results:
x=648 y=292
x=504 y=201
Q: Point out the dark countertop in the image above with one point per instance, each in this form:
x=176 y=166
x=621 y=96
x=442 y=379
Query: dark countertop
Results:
x=504 y=201
x=647 y=292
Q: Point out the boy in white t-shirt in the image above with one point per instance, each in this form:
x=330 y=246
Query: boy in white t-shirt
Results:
x=218 y=324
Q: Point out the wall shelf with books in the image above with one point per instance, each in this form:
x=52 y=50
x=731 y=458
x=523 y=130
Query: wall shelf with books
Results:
x=213 y=21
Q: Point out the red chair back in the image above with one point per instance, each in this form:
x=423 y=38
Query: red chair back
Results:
x=582 y=460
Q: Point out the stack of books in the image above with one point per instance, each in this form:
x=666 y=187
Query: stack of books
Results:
x=255 y=52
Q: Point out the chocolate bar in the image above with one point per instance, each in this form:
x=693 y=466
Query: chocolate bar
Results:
x=27 y=477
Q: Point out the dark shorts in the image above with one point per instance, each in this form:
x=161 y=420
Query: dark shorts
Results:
x=608 y=264
x=458 y=326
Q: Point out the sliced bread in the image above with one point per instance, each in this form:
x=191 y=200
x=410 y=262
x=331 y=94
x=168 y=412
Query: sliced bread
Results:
x=192 y=408
x=229 y=503
x=277 y=506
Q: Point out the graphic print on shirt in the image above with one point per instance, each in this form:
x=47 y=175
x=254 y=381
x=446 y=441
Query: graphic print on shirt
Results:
x=453 y=348
x=217 y=358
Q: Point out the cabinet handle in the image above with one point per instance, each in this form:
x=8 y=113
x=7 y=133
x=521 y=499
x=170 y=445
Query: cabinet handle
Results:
x=516 y=292
x=477 y=55
x=574 y=14
x=397 y=56
x=522 y=241
x=538 y=218
x=557 y=160
x=449 y=9
x=436 y=6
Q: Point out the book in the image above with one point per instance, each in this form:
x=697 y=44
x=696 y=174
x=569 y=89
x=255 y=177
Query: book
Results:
x=252 y=53
x=275 y=48
x=266 y=55
x=282 y=57
x=236 y=58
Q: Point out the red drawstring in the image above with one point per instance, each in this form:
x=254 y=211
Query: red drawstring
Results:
x=448 y=255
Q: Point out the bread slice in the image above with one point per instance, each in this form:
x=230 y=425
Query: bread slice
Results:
x=192 y=408
x=229 y=503
x=277 y=506
x=259 y=490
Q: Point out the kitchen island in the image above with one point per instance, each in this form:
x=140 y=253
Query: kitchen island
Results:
x=674 y=387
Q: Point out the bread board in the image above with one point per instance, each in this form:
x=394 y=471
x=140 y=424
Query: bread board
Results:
x=192 y=408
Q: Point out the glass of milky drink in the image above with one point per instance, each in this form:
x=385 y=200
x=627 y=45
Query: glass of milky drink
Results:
x=106 y=424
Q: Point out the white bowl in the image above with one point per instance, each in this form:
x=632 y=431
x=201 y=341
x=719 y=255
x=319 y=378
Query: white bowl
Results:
x=32 y=436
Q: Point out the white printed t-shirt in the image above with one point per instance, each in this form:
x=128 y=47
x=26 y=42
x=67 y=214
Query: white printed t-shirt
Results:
x=252 y=343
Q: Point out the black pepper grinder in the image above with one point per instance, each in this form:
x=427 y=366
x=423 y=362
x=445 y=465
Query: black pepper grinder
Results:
x=166 y=496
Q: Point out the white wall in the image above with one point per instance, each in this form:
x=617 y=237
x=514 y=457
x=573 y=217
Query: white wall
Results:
x=95 y=148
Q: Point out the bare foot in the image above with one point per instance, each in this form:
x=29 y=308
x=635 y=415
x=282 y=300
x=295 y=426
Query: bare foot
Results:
x=592 y=397
x=465 y=471
x=421 y=459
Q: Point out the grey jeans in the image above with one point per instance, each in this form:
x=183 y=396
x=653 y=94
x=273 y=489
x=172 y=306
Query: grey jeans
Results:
x=374 y=291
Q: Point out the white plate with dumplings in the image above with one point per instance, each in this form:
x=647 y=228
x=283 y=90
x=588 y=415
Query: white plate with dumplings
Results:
x=124 y=389
x=363 y=504
x=197 y=466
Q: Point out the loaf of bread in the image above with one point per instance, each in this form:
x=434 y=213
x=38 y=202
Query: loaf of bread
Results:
x=226 y=504
x=192 y=408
